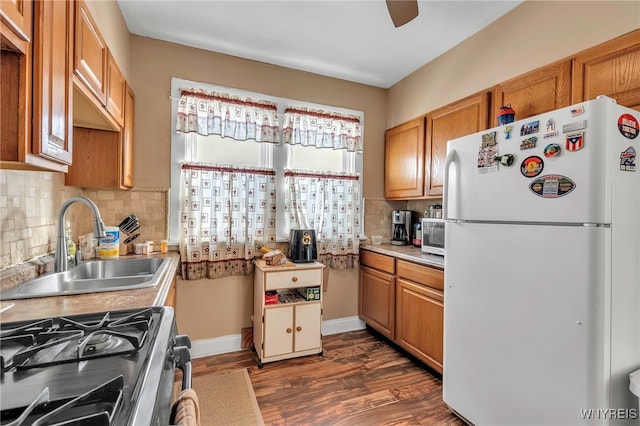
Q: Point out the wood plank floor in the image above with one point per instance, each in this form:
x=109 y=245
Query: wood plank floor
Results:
x=359 y=380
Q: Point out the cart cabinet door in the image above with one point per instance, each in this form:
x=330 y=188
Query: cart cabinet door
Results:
x=278 y=330
x=308 y=323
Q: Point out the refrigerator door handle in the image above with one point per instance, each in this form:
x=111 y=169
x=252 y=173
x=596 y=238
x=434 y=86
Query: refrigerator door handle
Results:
x=452 y=156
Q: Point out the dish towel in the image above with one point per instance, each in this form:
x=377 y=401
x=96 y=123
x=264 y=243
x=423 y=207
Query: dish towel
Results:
x=186 y=409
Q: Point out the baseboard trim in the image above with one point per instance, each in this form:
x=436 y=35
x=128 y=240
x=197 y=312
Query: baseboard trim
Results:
x=233 y=343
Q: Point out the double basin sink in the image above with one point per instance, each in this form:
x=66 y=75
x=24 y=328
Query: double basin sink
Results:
x=94 y=277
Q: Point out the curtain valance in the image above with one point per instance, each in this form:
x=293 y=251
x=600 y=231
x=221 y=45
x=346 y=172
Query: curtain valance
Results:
x=322 y=129
x=208 y=113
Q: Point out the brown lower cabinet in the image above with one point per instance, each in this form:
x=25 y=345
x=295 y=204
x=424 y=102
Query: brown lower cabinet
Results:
x=404 y=301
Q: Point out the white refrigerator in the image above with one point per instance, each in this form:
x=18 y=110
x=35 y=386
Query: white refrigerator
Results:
x=542 y=269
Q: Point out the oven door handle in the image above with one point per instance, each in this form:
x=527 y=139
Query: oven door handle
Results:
x=183 y=362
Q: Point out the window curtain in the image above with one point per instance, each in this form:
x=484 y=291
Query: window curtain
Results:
x=227 y=214
x=330 y=204
x=322 y=129
x=212 y=113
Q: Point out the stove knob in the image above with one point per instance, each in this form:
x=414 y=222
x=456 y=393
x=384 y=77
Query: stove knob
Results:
x=182 y=340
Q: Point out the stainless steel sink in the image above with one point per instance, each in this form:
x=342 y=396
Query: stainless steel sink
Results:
x=94 y=277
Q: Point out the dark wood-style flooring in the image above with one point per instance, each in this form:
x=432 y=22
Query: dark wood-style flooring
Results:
x=359 y=380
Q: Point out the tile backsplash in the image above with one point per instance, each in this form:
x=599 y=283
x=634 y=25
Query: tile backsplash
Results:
x=30 y=202
x=377 y=214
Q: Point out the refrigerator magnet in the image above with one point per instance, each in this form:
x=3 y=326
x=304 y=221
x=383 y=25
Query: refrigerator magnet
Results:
x=529 y=143
x=628 y=126
x=530 y=128
x=574 y=141
x=531 y=166
x=552 y=150
x=576 y=125
x=552 y=186
x=628 y=160
x=577 y=110
x=551 y=129
x=507 y=131
x=487 y=154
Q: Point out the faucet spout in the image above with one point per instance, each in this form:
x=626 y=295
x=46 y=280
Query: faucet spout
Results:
x=61 y=243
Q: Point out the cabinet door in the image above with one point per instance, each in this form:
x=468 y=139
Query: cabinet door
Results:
x=278 y=330
x=458 y=119
x=535 y=92
x=404 y=161
x=126 y=154
x=308 y=333
x=420 y=322
x=116 y=90
x=16 y=23
x=90 y=59
x=377 y=300
x=609 y=69
x=52 y=87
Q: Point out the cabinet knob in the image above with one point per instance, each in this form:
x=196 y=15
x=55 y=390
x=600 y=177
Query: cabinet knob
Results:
x=289 y=330
x=298 y=328
x=294 y=279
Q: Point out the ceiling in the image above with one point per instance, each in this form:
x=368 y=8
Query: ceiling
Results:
x=353 y=40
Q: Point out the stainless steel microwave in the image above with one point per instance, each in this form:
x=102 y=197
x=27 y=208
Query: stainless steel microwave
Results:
x=433 y=236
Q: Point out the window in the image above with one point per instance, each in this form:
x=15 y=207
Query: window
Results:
x=211 y=149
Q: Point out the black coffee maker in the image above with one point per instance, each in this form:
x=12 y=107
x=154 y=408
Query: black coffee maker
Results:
x=401 y=227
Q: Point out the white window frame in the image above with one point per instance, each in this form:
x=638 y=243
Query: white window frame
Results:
x=276 y=156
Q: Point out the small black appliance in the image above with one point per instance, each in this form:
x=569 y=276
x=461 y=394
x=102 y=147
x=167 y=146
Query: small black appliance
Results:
x=401 y=227
x=302 y=245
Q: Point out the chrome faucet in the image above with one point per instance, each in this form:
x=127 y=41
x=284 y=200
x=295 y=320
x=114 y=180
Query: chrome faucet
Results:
x=61 y=244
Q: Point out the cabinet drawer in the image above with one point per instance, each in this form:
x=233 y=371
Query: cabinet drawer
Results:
x=431 y=277
x=377 y=261
x=293 y=279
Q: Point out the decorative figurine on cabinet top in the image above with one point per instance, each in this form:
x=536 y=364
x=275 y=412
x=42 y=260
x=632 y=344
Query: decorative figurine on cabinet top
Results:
x=507 y=115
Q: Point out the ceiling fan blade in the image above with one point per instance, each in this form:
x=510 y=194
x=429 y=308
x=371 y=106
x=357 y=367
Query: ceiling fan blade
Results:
x=402 y=11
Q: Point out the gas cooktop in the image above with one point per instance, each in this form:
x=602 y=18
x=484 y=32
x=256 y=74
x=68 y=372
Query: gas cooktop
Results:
x=88 y=369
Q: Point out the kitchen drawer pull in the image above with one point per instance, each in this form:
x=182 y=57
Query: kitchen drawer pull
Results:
x=298 y=328
x=294 y=279
x=289 y=330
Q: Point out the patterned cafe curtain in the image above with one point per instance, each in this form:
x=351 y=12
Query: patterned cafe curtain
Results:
x=322 y=129
x=208 y=113
x=330 y=204
x=227 y=214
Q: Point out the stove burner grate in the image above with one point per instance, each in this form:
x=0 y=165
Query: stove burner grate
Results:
x=96 y=407
x=49 y=342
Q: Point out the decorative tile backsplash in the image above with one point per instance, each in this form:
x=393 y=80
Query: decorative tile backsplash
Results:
x=377 y=214
x=30 y=202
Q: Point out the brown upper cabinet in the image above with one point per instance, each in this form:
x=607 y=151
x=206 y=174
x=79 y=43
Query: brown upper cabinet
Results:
x=90 y=54
x=104 y=158
x=16 y=23
x=52 y=87
x=611 y=69
x=404 y=160
x=535 y=92
x=36 y=86
x=99 y=86
x=117 y=91
x=458 y=119
x=126 y=152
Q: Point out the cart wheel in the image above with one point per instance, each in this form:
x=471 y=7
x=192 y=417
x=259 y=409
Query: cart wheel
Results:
x=320 y=353
x=260 y=365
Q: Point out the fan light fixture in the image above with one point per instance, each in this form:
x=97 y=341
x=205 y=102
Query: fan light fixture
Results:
x=402 y=11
